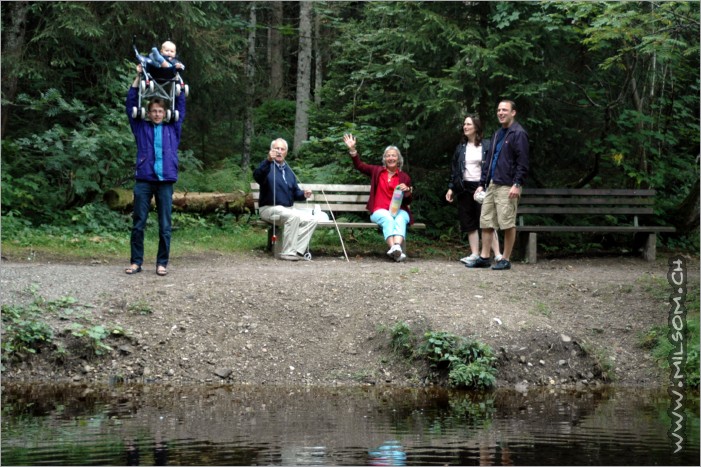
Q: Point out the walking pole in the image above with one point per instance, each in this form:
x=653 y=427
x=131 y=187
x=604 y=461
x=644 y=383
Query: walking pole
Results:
x=338 y=231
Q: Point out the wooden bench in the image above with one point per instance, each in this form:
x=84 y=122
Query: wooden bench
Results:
x=586 y=210
x=338 y=200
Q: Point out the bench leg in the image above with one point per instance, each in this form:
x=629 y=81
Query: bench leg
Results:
x=532 y=248
x=650 y=248
x=275 y=248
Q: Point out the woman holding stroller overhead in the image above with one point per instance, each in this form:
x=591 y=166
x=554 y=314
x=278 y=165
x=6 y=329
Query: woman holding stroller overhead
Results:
x=390 y=195
x=156 y=171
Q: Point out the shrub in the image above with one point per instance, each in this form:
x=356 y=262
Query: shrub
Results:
x=465 y=362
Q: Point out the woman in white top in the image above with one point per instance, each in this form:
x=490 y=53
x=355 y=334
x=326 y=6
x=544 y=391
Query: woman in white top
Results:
x=464 y=178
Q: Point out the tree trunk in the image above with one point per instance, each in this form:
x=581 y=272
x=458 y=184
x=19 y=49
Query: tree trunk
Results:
x=275 y=56
x=248 y=127
x=318 y=60
x=237 y=202
x=304 y=69
x=686 y=215
x=12 y=45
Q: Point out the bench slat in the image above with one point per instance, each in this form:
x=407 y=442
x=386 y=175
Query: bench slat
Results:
x=583 y=210
x=586 y=192
x=593 y=228
x=349 y=225
x=326 y=188
x=318 y=198
x=524 y=201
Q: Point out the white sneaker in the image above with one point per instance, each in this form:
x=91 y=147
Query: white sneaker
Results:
x=401 y=257
x=395 y=252
x=469 y=259
x=498 y=258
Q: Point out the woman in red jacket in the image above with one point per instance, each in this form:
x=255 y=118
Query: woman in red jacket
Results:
x=383 y=181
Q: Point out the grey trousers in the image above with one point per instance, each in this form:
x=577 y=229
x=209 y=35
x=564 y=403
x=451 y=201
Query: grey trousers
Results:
x=298 y=227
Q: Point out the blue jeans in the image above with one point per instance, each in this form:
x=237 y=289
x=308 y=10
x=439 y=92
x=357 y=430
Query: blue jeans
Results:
x=143 y=192
x=391 y=225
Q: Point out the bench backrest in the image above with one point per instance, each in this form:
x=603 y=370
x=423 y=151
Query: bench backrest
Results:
x=585 y=201
x=337 y=198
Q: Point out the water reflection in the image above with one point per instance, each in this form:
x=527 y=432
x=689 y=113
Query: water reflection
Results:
x=230 y=425
x=390 y=453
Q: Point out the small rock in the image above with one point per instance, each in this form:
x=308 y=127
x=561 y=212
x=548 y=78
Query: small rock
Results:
x=171 y=372
x=522 y=359
x=542 y=362
x=497 y=320
x=223 y=373
x=565 y=338
x=126 y=349
x=562 y=362
x=522 y=386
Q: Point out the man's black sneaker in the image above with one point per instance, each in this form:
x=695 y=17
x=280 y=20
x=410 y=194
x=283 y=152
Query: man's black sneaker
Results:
x=479 y=263
x=502 y=264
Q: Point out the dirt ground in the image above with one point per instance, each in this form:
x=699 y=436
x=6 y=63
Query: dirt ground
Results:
x=251 y=319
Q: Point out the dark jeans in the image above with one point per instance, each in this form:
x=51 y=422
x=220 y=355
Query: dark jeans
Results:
x=143 y=192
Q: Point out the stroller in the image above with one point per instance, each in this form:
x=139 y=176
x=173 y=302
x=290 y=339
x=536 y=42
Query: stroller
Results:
x=157 y=82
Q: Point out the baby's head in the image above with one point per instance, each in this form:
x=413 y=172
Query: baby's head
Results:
x=168 y=49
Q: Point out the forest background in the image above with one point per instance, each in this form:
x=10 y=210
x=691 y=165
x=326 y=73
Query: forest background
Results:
x=608 y=92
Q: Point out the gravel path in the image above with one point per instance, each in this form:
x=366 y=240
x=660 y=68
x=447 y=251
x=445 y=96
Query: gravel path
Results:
x=251 y=319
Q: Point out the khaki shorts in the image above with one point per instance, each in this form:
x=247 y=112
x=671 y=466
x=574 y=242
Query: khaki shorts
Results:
x=498 y=210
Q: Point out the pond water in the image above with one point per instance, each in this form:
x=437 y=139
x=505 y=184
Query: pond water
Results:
x=246 y=425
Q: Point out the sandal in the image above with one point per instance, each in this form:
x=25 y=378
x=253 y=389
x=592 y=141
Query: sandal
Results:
x=161 y=271
x=133 y=269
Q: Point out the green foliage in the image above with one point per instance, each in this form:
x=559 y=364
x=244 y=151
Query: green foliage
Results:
x=28 y=329
x=657 y=339
x=477 y=374
x=23 y=331
x=140 y=307
x=468 y=363
x=82 y=153
x=608 y=91
x=402 y=339
x=230 y=177
x=95 y=336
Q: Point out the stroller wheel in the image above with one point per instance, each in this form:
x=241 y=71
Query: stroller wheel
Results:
x=187 y=90
x=176 y=116
x=134 y=112
x=168 y=115
x=177 y=89
x=143 y=113
x=151 y=86
x=142 y=85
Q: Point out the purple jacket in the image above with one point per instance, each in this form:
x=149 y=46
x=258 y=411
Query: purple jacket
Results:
x=143 y=134
x=374 y=172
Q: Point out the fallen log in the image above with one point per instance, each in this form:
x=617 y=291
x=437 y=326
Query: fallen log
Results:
x=236 y=202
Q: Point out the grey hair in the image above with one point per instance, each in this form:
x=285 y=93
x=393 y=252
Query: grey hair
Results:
x=272 y=143
x=400 y=159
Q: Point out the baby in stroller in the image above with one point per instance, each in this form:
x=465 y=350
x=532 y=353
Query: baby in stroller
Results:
x=166 y=57
x=159 y=78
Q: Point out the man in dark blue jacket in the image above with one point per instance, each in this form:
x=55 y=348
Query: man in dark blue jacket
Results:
x=155 y=173
x=502 y=177
x=278 y=192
